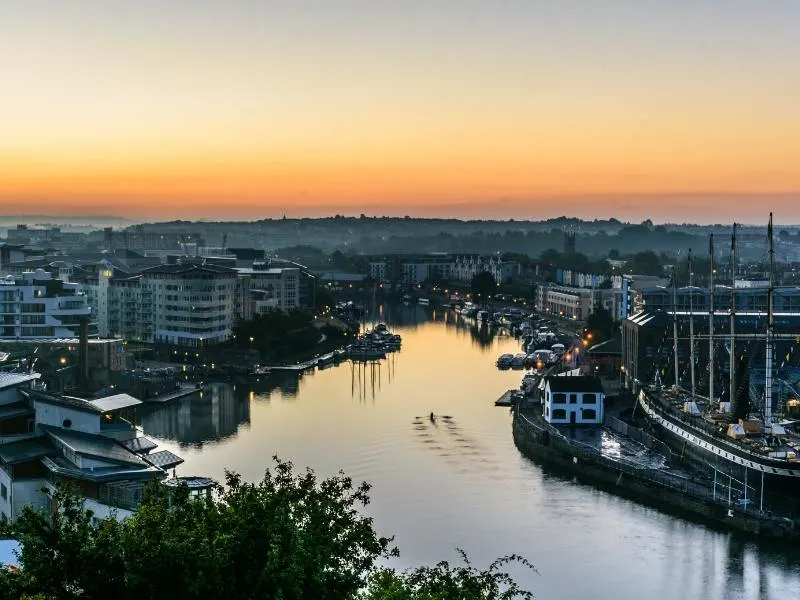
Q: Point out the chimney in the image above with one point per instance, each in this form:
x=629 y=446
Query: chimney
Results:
x=83 y=354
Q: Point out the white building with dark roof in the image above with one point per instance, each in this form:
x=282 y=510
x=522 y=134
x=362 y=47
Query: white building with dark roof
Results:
x=575 y=400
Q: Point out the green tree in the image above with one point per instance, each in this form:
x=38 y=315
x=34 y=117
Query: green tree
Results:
x=601 y=324
x=645 y=263
x=445 y=582
x=290 y=536
x=483 y=286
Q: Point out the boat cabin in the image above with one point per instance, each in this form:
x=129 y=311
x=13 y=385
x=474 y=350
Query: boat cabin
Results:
x=575 y=400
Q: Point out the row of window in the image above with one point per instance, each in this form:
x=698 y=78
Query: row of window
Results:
x=561 y=413
x=561 y=398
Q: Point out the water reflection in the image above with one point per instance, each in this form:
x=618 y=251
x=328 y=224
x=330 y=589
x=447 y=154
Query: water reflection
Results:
x=457 y=480
x=368 y=377
x=215 y=414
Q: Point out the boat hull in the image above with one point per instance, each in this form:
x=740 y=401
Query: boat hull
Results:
x=704 y=453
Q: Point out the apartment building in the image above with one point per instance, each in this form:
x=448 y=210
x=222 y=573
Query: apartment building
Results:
x=191 y=304
x=285 y=288
x=34 y=305
x=464 y=268
x=416 y=269
x=572 y=302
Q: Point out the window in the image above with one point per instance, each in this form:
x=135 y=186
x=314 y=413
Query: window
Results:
x=3 y=491
x=559 y=398
x=589 y=413
x=573 y=398
x=589 y=398
x=559 y=413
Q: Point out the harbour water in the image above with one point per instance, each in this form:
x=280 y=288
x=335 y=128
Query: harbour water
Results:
x=459 y=481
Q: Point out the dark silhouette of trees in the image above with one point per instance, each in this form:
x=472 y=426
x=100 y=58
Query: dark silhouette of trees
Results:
x=601 y=324
x=483 y=286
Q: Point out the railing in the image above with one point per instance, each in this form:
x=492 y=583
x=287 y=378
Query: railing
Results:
x=647 y=440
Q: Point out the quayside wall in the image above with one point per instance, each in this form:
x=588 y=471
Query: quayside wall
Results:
x=656 y=488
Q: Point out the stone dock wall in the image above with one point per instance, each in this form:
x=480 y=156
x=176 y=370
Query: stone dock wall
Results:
x=656 y=488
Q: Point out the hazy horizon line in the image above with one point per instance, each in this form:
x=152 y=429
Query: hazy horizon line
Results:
x=46 y=218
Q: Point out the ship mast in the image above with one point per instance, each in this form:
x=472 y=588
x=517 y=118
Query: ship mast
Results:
x=770 y=335
x=691 y=321
x=675 y=323
x=711 y=322
x=732 y=391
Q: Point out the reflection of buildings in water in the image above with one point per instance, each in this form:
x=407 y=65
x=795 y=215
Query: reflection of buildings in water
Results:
x=214 y=415
x=396 y=314
x=734 y=566
x=290 y=384
x=482 y=335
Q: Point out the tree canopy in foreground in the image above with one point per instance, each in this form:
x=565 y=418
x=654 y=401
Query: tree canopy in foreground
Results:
x=290 y=536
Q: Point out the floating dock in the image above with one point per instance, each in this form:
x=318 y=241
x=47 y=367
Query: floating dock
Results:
x=176 y=395
x=508 y=398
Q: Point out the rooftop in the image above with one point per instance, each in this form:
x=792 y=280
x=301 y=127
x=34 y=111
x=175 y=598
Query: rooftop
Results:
x=139 y=444
x=116 y=402
x=25 y=450
x=66 y=401
x=61 y=466
x=14 y=410
x=580 y=383
x=8 y=380
x=609 y=347
x=95 y=446
x=163 y=459
x=188 y=268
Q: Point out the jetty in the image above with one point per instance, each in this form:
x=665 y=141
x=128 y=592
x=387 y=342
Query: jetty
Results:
x=176 y=395
x=508 y=398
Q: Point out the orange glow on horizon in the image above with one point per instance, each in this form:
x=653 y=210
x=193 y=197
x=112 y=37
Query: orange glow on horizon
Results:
x=246 y=109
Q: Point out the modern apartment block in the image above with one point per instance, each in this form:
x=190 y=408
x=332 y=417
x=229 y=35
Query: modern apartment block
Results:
x=183 y=304
x=286 y=289
x=190 y=304
x=34 y=305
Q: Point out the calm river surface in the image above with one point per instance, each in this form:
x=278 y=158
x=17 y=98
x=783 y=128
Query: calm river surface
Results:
x=463 y=483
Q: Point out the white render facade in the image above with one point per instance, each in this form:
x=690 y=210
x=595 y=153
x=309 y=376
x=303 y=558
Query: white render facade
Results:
x=36 y=306
x=417 y=269
x=576 y=400
x=191 y=305
x=270 y=289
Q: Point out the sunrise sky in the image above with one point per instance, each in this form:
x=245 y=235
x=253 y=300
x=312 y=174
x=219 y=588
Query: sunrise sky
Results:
x=677 y=111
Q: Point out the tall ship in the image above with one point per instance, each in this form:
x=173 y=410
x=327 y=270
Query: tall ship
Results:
x=729 y=408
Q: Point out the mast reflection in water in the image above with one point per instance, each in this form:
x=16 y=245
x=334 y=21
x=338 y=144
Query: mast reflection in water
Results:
x=458 y=480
